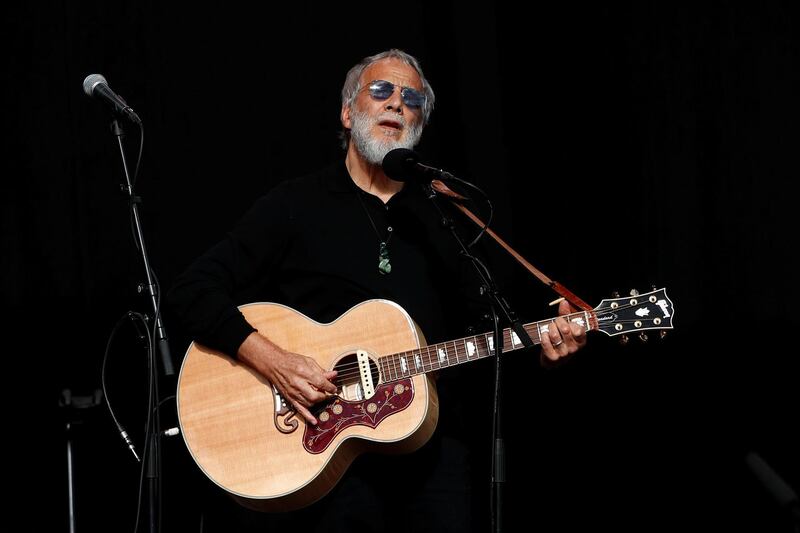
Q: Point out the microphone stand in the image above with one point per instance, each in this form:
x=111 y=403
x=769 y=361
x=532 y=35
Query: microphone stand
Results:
x=498 y=304
x=153 y=466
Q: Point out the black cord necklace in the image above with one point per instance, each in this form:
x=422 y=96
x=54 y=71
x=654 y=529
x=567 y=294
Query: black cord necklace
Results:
x=384 y=265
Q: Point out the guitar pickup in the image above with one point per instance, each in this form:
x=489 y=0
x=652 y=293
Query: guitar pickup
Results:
x=365 y=373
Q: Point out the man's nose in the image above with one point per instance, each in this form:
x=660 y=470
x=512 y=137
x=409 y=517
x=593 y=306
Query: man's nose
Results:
x=395 y=101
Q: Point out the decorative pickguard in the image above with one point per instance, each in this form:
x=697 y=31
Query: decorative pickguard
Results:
x=340 y=414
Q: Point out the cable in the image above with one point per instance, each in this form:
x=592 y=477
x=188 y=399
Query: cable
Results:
x=488 y=203
x=138 y=159
x=147 y=434
x=133 y=187
x=132 y=316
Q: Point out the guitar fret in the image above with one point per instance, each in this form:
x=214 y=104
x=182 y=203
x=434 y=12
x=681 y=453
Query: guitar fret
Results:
x=472 y=349
x=396 y=366
x=586 y=321
x=480 y=349
x=391 y=366
x=386 y=373
x=533 y=332
x=442 y=357
x=449 y=353
x=542 y=329
x=445 y=356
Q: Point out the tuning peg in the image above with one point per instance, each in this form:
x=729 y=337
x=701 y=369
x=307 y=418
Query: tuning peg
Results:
x=653 y=288
x=623 y=340
x=634 y=292
x=615 y=294
x=643 y=336
x=662 y=333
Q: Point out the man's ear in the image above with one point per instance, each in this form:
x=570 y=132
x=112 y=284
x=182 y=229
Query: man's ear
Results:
x=345 y=117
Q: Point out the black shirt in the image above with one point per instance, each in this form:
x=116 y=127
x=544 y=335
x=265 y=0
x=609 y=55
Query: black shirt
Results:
x=310 y=244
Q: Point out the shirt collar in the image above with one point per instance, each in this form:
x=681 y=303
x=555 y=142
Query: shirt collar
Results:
x=339 y=181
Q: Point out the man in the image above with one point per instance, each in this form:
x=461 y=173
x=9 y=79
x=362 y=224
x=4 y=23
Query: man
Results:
x=326 y=242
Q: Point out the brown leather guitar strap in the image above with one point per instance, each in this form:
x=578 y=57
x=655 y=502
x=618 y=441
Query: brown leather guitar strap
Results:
x=565 y=293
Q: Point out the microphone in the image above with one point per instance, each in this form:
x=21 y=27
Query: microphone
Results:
x=402 y=164
x=96 y=86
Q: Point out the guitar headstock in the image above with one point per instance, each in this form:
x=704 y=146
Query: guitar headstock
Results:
x=635 y=313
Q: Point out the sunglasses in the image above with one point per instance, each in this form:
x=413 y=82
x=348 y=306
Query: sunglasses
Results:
x=382 y=90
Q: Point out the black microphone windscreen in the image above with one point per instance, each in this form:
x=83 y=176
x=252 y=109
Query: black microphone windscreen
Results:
x=399 y=163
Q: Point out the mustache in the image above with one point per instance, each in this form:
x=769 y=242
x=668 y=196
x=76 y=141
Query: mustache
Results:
x=389 y=117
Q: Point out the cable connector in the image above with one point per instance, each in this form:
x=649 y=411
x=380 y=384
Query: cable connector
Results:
x=129 y=442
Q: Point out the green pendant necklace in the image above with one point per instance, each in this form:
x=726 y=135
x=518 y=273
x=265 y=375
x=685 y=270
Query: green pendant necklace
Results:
x=384 y=264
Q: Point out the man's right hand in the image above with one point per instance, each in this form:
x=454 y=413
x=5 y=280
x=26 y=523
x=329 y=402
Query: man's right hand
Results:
x=300 y=380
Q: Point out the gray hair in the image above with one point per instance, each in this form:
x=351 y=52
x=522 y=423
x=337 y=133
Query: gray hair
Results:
x=352 y=84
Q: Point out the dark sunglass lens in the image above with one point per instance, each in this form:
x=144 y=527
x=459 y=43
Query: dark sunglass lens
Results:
x=381 y=89
x=413 y=98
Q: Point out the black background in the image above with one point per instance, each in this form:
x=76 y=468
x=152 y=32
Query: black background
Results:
x=628 y=146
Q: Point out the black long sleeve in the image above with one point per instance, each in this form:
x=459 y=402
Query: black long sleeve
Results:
x=309 y=244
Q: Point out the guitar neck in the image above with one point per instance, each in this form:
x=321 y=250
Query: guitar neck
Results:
x=446 y=354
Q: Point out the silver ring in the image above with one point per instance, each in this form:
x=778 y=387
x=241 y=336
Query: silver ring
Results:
x=559 y=343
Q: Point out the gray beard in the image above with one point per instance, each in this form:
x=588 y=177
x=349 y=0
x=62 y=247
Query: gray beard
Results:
x=374 y=149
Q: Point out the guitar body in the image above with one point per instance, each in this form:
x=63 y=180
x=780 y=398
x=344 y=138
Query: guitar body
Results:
x=268 y=459
x=245 y=438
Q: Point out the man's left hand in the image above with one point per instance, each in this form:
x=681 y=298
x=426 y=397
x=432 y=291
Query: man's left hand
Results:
x=563 y=338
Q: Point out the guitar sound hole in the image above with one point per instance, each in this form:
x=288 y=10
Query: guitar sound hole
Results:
x=349 y=380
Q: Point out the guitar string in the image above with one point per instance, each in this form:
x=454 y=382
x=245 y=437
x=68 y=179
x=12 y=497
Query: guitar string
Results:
x=350 y=370
x=430 y=357
x=353 y=369
x=506 y=335
x=392 y=369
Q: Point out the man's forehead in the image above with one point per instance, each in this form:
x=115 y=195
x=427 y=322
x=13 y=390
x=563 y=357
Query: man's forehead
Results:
x=393 y=70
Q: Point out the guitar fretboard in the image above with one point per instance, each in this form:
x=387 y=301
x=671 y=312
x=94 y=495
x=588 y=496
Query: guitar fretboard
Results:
x=446 y=354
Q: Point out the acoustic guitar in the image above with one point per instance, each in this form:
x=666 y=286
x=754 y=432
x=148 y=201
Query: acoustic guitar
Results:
x=246 y=438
